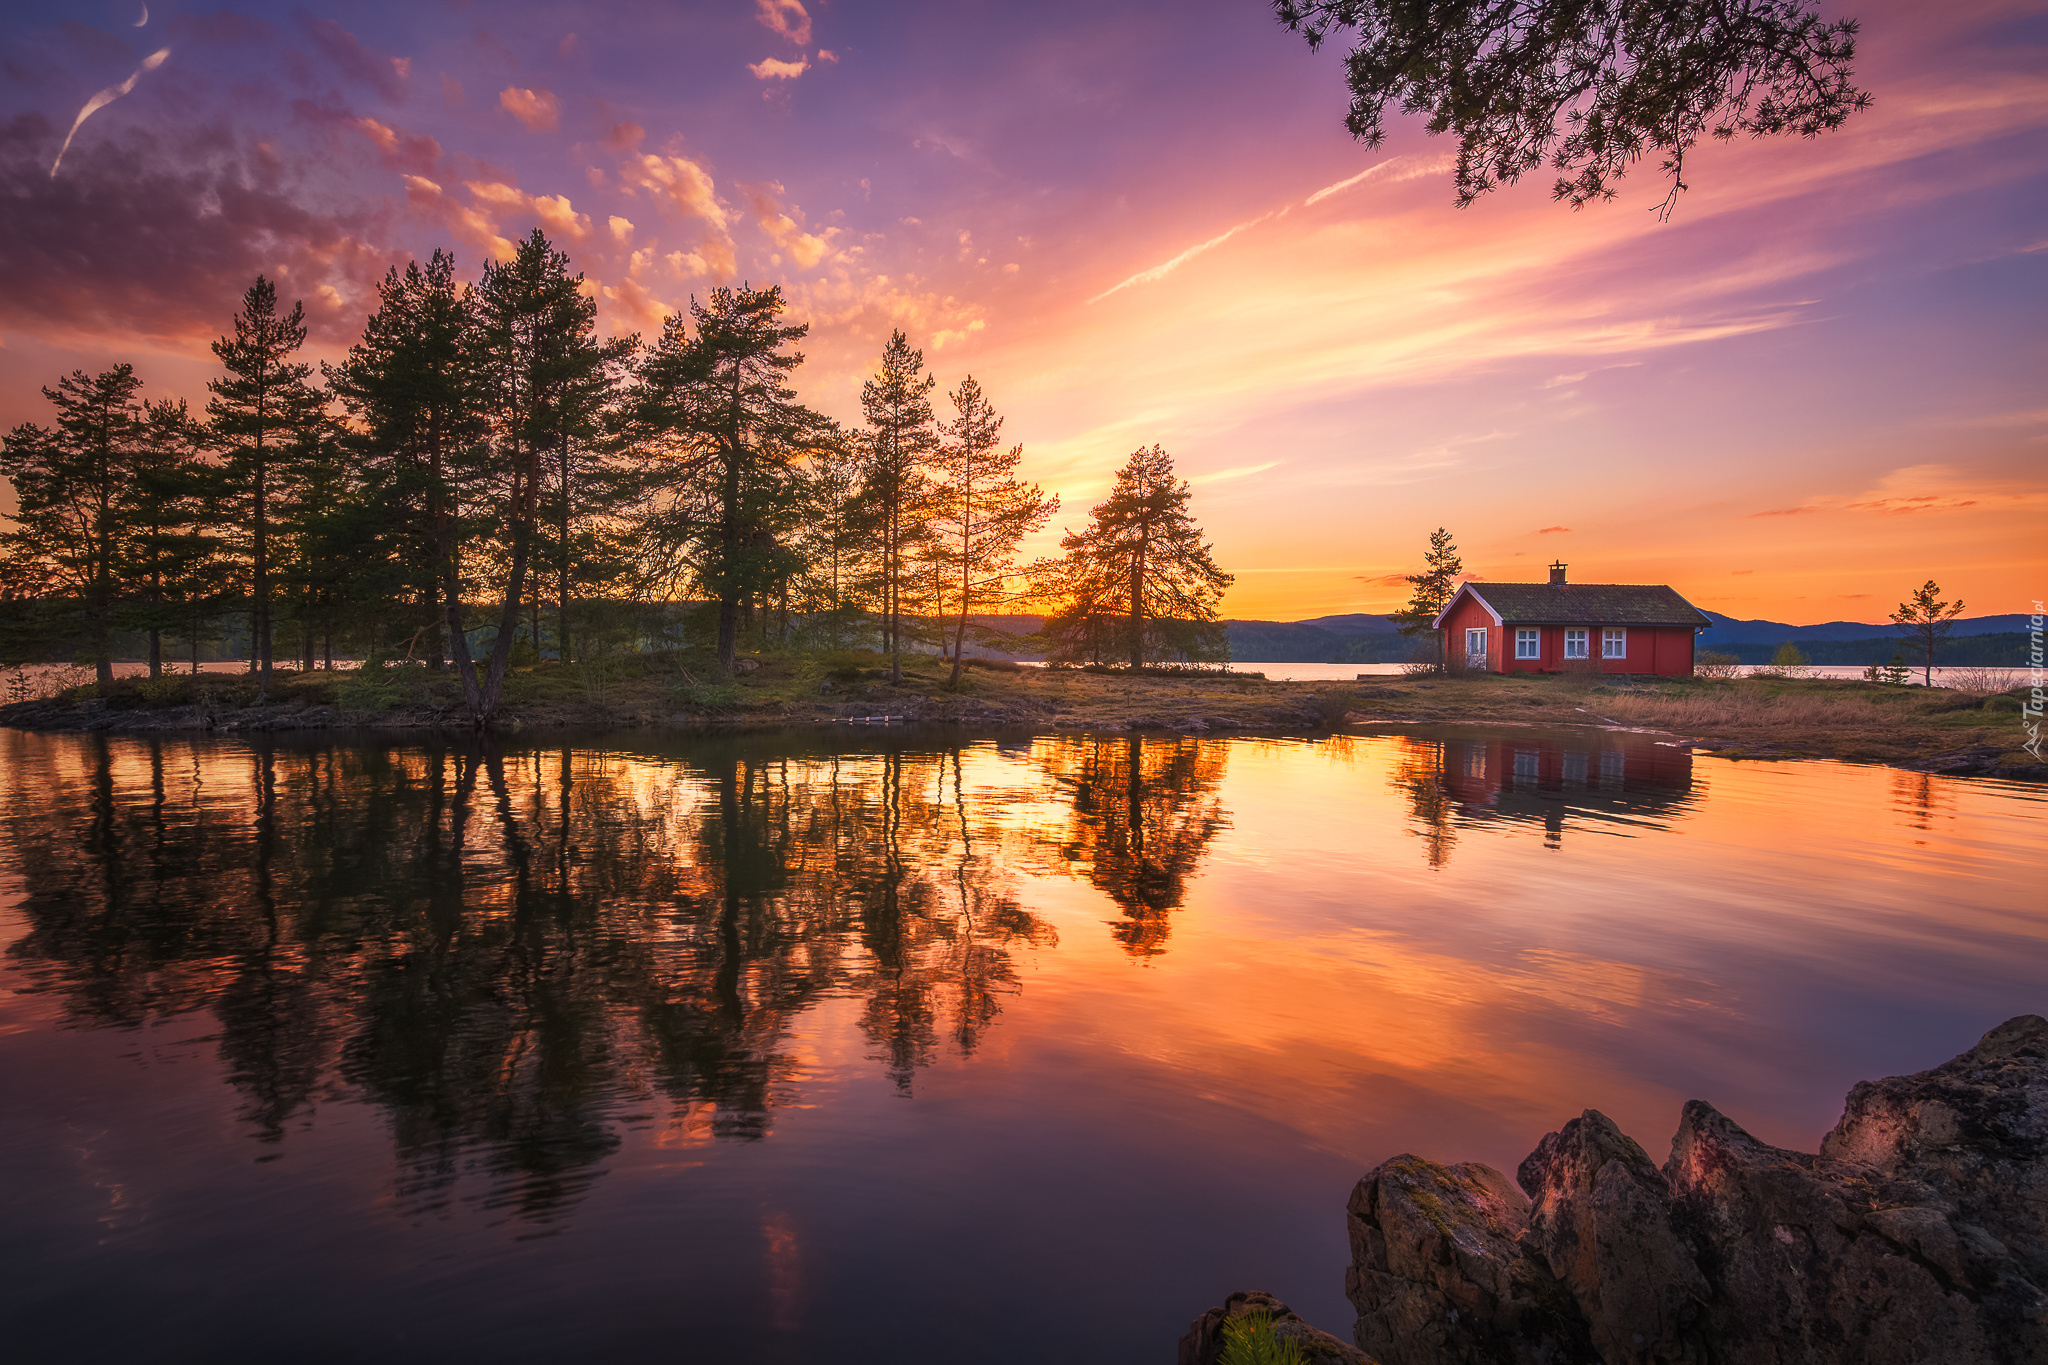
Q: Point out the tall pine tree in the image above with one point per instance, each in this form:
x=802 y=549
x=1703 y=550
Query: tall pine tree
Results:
x=262 y=414
x=725 y=435
x=535 y=358
x=901 y=443
x=410 y=384
x=73 y=484
x=982 y=510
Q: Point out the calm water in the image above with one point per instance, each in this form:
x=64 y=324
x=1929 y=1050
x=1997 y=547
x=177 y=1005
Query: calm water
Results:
x=914 y=1048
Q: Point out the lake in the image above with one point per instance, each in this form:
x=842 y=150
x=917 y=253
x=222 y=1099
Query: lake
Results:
x=803 y=1047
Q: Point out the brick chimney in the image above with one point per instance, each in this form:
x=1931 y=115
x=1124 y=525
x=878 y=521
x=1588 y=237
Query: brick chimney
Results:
x=1557 y=573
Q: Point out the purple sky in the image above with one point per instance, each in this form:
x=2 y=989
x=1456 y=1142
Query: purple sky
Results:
x=1822 y=383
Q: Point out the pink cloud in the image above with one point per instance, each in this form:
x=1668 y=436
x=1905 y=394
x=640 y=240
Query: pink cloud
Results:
x=785 y=17
x=539 y=110
x=774 y=69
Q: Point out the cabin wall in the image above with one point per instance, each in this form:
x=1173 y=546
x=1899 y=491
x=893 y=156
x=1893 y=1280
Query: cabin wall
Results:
x=1666 y=651
x=1469 y=614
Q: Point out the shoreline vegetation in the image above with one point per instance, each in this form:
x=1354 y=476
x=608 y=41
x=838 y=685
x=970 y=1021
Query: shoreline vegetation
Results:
x=1938 y=729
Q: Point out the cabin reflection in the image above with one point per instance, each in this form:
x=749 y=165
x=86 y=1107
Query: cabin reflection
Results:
x=1603 y=782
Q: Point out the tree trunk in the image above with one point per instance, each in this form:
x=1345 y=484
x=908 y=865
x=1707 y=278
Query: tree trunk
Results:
x=156 y=653
x=1138 y=608
x=259 y=615
x=523 y=498
x=728 y=632
x=562 y=574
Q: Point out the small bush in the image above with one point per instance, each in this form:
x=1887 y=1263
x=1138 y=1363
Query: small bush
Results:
x=1714 y=664
x=1249 y=1340
x=1789 y=662
x=1982 y=681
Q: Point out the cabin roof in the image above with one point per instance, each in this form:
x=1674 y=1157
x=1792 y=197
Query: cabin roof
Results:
x=1584 y=604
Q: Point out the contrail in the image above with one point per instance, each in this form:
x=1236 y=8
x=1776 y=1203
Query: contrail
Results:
x=105 y=98
x=1158 y=271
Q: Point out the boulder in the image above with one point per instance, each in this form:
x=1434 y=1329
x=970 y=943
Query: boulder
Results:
x=1600 y=1218
x=1918 y=1235
x=1440 y=1275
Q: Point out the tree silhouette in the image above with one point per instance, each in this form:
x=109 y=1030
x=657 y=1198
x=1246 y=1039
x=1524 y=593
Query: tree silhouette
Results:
x=264 y=417
x=75 y=485
x=1588 y=87
x=725 y=434
x=900 y=445
x=982 y=510
x=1138 y=581
x=1927 y=621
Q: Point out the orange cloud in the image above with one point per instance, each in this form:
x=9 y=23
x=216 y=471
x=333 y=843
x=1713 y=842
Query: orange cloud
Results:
x=787 y=18
x=774 y=69
x=539 y=110
x=1552 y=530
x=468 y=224
x=557 y=216
x=804 y=248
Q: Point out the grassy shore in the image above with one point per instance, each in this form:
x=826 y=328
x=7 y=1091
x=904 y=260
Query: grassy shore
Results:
x=1944 y=728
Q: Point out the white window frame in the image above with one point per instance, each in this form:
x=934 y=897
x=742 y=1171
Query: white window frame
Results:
x=1614 y=642
x=1528 y=642
x=1480 y=653
x=1577 y=642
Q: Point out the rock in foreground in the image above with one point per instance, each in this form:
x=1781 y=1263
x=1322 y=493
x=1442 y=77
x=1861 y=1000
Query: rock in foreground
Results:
x=1917 y=1236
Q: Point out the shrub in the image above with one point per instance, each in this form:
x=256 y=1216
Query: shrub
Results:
x=1715 y=664
x=1249 y=1340
x=1790 y=662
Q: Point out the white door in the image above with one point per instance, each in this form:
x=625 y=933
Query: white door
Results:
x=1475 y=648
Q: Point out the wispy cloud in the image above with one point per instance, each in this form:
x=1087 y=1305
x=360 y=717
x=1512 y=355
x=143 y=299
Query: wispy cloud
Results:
x=105 y=98
x=1393 y=168
x=1162 y=270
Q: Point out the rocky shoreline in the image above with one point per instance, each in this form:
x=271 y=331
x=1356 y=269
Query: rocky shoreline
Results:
x=1917 y=1235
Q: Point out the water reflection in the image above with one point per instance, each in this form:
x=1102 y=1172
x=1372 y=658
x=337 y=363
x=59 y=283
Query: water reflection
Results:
x=1594 y=783
x=508 y=950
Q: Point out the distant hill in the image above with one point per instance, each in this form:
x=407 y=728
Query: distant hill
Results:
x=1729 y=631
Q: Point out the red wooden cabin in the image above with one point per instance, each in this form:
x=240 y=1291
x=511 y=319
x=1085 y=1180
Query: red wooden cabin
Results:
x=1546 y=627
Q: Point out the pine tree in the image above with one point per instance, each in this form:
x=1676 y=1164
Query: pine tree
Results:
x=1139 y=581
x=74 y=487
x=535 y=360
x=722 y=436
x=1927 y=621
x=410 y=385
x=983 y=510
x=1434 y=588
x=262 y=412
x=171 y=563
x=900 y=446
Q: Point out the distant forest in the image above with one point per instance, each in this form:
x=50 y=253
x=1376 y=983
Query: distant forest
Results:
x=484 y=481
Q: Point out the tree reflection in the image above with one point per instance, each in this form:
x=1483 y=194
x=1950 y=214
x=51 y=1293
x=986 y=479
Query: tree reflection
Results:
x=1143 y=814
x=507 y=950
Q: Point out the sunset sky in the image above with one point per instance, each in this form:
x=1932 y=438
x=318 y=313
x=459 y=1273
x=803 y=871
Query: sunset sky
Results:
x=1824 y=381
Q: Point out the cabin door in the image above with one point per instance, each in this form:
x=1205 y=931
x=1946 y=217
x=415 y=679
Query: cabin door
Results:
x=1475 y=648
